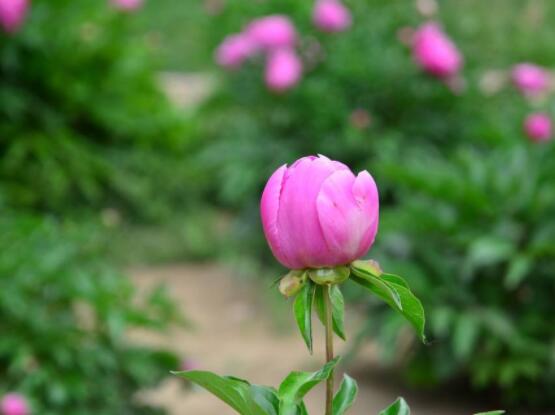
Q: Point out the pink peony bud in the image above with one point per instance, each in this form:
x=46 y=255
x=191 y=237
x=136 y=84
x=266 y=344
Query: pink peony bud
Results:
x=435 y=52
x=12 y=14
x=331 y=16
x=270 y=32
x=530 y=79
x=283 y=69
x=234 y=50
x=128 y=5
x=538 y=127
x=317 y=213
x=14 y=404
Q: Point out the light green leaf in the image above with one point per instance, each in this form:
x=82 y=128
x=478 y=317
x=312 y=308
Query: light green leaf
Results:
x=518 y=268
x=465 y=335
x=395 y=293
x=338 y=308
x=233 y=391
x=346 y=395
x=297 y=384
x=303 y=312
x=395 y=279
x=266 y=397
x=491 y=413
x=399 y=407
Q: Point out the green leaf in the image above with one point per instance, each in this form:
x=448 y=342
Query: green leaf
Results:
x=338 y=308
x=338 y=311
x=491 y=413
x=233 y=391
x=395 y=279
x=518 y=268
x=345 y=396
x=303 y=312
x=395 y=292
x=399 y=407
x=465 y=335
x=266 y=397
x=297 y=384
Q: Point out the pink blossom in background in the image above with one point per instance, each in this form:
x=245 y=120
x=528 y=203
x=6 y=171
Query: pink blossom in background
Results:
x=14 y=404
x=283 y=69
x=273 y=31
x=128 y=5
x=12 y=14
x=234 y=50
x=317 y=213
x=530 y=79
x=435 y=52
x=537 y=127
x=331 y=16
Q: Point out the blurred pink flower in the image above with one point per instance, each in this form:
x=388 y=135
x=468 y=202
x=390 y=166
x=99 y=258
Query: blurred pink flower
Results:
x=234 y=50
x=530 y=79
x=12 y=14
x=435 y=52
x=14 y=404
x=331 y=16
x=283 y=69
x=537 y=127
x=317 y=213
x=128 y=5
x=275 y=31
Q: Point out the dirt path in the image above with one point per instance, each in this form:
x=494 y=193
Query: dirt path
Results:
x=236 y=331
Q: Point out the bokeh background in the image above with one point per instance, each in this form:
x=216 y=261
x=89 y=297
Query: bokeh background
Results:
x=131 y=167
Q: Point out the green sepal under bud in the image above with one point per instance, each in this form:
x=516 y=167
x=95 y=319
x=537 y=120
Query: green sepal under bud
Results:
x=293 y=282
x=369 y=265
x=325 y=276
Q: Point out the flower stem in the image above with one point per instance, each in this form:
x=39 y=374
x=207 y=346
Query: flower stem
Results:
x=329 y=349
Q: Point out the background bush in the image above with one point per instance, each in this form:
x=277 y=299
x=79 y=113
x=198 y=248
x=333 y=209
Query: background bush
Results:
x=65 y=314
x=467 y=200
x=87 y=139
x=84 y=122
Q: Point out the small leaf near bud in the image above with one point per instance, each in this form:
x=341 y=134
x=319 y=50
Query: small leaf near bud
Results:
x=324 y=276
x=292 y=283
x=371 y=266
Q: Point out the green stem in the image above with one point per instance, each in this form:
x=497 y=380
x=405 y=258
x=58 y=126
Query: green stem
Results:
x=329 y=349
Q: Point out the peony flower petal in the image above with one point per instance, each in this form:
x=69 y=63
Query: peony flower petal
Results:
x=269 y=208
x=300 y=232
x=348 y=213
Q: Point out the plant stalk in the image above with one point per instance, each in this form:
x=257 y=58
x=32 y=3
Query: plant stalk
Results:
x=329 y=349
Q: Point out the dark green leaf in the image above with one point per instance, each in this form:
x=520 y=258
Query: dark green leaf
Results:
x=233 y=391
x=303 y=312
x=295 y=386
x=345 y=396
x=403 y=300
x=399 y=407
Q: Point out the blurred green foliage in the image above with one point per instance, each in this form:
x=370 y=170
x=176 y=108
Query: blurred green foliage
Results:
x=65 y=318
x=467 y=202
x=86 y=135
x=84 y=122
